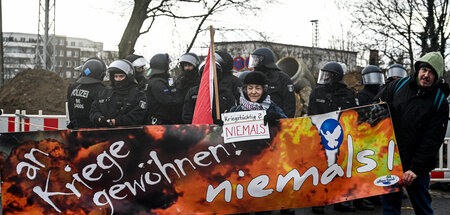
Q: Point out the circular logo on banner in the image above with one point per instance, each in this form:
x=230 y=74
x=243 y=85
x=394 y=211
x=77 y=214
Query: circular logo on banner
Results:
x=386 y=180
x=246 y=64
x=238 y=63
x=332 y=135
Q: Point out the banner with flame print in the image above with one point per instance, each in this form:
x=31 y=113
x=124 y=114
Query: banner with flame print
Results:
x=177 y=169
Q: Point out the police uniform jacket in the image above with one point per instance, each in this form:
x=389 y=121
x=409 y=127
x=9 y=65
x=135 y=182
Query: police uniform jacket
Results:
x=127 y=106
x=162 y=101
x=281 y=91
x=80 y=98
x=330 y=97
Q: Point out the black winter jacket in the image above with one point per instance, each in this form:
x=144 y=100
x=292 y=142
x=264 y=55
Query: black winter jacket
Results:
x=233 y=83
x=367 y=95
x=80 y=98
x=420 y=117
x=326 y=98
x=162 y=102
x=281 y=91
x=126 y=106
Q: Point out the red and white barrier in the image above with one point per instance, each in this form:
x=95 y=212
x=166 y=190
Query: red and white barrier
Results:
x=20 y=122
x=442 y=172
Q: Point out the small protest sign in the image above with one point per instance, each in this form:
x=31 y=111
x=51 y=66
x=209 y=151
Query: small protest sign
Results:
x=244 y=125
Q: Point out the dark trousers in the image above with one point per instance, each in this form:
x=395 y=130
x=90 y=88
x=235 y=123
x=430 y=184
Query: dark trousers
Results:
x=418 y=195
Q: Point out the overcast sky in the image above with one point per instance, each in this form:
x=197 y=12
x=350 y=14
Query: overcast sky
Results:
x=105 y=20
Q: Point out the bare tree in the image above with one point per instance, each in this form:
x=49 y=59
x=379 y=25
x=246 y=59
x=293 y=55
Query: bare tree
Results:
x=146 y=12
x=402 y=28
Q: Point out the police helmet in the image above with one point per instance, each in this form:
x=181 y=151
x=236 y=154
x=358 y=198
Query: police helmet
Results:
x=92 y=71
x=227 y=60
x=159 y=64
x=202 y=67
x=262 y=58
x=189 y=58
x=137 y=60
x=396 y=71
x=372 y=75
x=330 y=73
x=123 y=66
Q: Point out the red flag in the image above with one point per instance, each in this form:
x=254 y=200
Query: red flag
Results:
x=203 y=106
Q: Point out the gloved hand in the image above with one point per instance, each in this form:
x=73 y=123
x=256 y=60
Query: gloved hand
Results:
x=273 y=119
x=102 y=122
x=218 y=121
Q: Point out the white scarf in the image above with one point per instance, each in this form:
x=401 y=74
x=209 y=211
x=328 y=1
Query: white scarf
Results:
x=249 y=105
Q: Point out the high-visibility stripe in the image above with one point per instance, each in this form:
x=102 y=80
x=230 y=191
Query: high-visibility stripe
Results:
x=50 y=124
x=11 y=124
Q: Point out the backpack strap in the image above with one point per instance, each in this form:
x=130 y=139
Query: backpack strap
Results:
x=439 y=97
x=400 y=84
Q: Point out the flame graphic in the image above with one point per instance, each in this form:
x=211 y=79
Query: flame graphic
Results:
x=294 y=146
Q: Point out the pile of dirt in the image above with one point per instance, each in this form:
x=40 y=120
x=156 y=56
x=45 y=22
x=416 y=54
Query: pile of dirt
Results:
x=33 y=90
x=353 y=80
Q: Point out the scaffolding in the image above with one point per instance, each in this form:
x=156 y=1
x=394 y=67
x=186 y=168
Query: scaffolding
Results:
x=46 y=41
x=315 y=33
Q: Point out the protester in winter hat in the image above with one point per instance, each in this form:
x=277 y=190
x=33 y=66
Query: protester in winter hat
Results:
x=419 y=113
x=254 y=96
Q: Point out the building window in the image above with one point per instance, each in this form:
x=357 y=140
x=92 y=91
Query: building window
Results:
x=69 y=53
x=22 y=39
x=61 y=53
x=61 y=42
x=68 y=74
x=68 y=63
x=72 y=43
x=75 y=53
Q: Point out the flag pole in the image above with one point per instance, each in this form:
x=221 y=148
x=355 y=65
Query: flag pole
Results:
x=216 y=88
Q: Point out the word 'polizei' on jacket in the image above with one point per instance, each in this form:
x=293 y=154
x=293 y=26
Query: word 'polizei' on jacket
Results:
x=419 y=116
x=80 y=99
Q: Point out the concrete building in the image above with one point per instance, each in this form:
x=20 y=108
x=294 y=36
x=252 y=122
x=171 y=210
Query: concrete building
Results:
x=70 y=52
x=314 y=58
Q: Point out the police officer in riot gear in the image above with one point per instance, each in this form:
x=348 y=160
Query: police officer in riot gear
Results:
x=329 y=95
x=226 y=98
x=161 y=95
x=189 y=77
x=395 y=71
x=83 y=91
x=139 y=64
x=228 y=79
x=331 y=92
x=123 y=104
x=281 y=88
x=372 y=79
